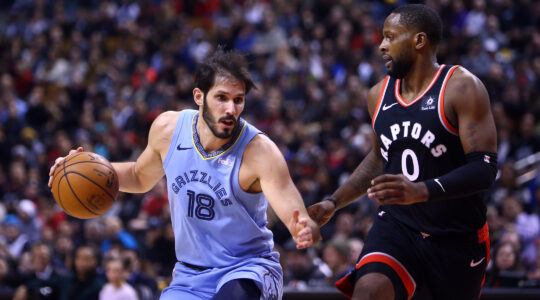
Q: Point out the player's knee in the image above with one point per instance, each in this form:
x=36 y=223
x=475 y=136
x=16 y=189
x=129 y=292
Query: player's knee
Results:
x=373 y=286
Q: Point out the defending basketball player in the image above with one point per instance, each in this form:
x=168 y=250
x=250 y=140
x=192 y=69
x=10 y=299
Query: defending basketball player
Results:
x=434 y=155
x=220 y=171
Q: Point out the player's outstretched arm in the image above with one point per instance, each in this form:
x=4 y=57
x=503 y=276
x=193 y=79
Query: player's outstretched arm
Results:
x=355 y=186
x=263 y=159
x=360 y=180
x=140 y=176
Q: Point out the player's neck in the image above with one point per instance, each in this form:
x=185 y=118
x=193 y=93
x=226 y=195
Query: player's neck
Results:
x=208 y=140
x=418 y=79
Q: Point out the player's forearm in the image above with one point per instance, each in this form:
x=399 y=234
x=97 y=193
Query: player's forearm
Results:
x=128 y=179
x=359 y=181
x=285 y=213
x=284 y=201
x=476 y=176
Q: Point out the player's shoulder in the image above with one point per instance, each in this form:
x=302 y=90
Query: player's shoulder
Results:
x=260 y=143
x=165 y=120
x=375 y=90
x=167 y=116
x=374 y=94
x=262 y=157
x=464 y=82
x=261 y=149
x=163 y=127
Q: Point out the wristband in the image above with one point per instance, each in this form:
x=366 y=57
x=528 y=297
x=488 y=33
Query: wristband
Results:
x=331 y=199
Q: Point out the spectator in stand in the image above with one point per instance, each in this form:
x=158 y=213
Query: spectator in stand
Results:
x=92 y=234
x=114 y=232
x=336 y=255
x=117 y=287
x=154 y=205
x=63 y=256
x=30 y=222
x=534 y=275
x=159 y=244
x=344 y=227
x=145 y=286
x=85 y=283
x=527 y=226
x=15 y=242
x=300 y=270
x=44 y=282
x=355 y=246
x=506 y=185
x=505 y=269
x=6 y=283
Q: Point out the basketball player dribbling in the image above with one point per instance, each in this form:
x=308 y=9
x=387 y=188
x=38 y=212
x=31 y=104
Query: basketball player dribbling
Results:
x=434 y=154
x=220 y=171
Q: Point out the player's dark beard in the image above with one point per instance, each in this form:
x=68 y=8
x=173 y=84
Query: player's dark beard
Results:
x=401 y=65
x=212 y=124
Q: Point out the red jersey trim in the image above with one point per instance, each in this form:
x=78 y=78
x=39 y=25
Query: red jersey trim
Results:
x=344 y=286
x=401 y=271
x=381 y=97
x=483 y=237
x=398 y=85
x=442 y=116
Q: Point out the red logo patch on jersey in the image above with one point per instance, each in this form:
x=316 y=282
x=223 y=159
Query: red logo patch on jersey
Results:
x=486 y=158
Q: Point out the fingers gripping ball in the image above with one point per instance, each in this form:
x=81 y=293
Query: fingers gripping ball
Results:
x=85 y=185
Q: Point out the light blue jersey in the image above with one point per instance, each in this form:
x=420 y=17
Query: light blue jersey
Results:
x=216 y=223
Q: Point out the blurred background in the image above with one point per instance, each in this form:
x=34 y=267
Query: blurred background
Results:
x=96 y=74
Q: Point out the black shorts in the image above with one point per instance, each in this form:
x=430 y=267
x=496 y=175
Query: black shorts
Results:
x=422 y=266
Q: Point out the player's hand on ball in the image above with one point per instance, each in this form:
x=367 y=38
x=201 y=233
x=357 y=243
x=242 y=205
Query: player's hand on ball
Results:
x=305 y=231
x=397 y=189
x=58 y=161
x=84 y=184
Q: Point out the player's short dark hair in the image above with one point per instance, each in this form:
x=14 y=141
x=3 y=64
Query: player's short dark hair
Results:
x=422 y=18
x=223 y=63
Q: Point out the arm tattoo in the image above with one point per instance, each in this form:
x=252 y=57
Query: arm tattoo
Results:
x=368 y=169
x=360 y=179
x=470 y=135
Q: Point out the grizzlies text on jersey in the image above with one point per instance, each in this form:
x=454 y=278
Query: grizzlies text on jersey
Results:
x=215 y=222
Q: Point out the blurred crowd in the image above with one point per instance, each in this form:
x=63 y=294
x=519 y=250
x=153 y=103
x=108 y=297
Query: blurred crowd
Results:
x=96 y=73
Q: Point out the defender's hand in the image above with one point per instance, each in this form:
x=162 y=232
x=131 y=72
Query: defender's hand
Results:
x=321 y=212
x=58 y=161
x=397 y=189
x=304 y=231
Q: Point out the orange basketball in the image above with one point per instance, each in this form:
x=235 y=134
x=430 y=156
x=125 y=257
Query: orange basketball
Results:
x=85 y=185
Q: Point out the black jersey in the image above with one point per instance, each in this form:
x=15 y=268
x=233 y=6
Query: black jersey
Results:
x=417 y=141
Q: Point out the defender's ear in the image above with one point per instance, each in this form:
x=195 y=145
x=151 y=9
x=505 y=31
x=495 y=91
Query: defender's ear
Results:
x=198 y=96
x=420 y=40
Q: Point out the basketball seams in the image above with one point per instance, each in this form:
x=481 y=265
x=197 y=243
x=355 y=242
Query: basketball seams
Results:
x=80 y=162
x=77 y=197
x=59 y=195
x=81 y=153
x=57 y=171
x=92 y=181
x=91 y=162
x=88 y=185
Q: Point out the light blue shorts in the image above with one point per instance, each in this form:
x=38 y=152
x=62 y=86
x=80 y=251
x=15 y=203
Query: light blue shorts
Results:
x=190 y=284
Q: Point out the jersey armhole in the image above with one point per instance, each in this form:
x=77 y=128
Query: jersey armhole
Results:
x=237 y=190
x=379 y=101
x=442 y=117
x=174 y=139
